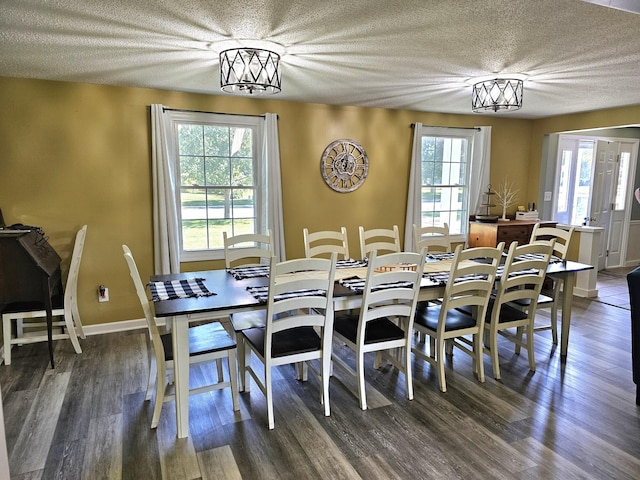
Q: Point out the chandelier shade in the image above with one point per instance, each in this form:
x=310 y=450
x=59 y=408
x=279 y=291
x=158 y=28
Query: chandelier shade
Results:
x=497 y=94
x=249 y=71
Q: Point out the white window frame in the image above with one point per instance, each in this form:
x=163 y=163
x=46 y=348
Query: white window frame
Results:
x=477 y=175
x=457 y=133
x=256 y=123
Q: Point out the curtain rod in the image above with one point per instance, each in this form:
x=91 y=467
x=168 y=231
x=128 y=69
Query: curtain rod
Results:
x=443 y=126
x=165 y=109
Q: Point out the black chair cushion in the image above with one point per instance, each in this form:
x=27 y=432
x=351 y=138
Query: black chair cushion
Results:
x=57 y=301
x=207 y=338
x=507 y=312
x=285 y=343
x=456 y=318
x=379 y=330
x=542 y=300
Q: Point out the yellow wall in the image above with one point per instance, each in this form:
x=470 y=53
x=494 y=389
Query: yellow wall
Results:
x=78 y=153
x=613 y=117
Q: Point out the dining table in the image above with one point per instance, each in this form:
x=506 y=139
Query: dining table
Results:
x=229 y=294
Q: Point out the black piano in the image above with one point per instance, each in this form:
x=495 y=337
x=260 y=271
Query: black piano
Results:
x=30 y=273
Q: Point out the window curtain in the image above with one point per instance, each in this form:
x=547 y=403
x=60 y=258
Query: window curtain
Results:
x=165 y=215
x=414 y=207
x=166 y=249
x=478 y=177
x=271 y=155
x=480 y=164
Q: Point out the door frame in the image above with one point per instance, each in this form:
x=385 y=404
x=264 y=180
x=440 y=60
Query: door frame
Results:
x=630 y=180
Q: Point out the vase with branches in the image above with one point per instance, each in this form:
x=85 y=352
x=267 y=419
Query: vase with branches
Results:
x=506 y=196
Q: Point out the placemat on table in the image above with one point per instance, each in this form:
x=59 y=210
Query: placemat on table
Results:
x=357 y=284
x=536 y=256
x=241 y=273
x=261 y=293
x=170 y=290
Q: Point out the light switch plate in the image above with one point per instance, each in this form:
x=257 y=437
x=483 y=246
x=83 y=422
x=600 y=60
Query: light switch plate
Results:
x=547 y=196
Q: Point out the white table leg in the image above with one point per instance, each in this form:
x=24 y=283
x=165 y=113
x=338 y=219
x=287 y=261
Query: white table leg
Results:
x=567 y=299
x=180 y=338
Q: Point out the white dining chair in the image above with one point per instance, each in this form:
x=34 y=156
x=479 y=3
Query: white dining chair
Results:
x=431 y=238
x=208 y=343
x=380 y=240
x=323 y=243
x=521 y=279
x=385 y=319
x=550 y=298
x=299 y=326
x=248 y=249
x=469 y=284
x=30 y=315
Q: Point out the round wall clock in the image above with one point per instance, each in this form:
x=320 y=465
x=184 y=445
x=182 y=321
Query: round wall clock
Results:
x=344 y=165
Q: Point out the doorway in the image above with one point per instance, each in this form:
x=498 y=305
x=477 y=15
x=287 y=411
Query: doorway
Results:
x=593 y=186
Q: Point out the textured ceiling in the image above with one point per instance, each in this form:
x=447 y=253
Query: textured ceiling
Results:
x=410 y=54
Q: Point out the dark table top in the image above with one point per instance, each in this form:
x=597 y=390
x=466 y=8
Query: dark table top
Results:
x=232 y=294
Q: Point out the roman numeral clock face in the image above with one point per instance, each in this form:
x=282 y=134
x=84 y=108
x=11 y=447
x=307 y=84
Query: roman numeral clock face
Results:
x=344 y=165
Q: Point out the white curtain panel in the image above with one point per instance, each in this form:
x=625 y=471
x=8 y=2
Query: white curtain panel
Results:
x=414 y=207
x=166 y=249
x=480 y=166
x=271 y=153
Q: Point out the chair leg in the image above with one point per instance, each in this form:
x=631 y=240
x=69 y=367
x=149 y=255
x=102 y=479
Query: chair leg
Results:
x=519 y=339
x=408 y=372
x=19 y=328
x=530 y=352
x=432 y=346
x=268 y=390
x=245 y=360
x=440 y=364
x=71 y=331
x=153 y=372
x=159 y=400
x=477 y=350
x=326 y=374
x=361 y=383
x=232 y=362
x=6 y=334
x=495 y=362
x=557 y=300
x=75 y=315
x=220 y=371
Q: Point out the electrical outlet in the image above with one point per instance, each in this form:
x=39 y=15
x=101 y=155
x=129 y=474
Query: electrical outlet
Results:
x=103 y=294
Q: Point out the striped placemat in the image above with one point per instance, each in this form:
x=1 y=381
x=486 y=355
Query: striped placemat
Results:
x=261 y=293
x=170 y=290
x=241 y=273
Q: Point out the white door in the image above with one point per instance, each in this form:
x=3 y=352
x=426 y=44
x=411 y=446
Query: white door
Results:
x=604 y=178
x=619 y=213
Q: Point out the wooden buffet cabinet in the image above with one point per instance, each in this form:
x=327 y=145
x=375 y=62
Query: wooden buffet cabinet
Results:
x=490 y=234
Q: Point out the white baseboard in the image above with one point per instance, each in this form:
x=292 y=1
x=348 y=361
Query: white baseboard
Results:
x=114 y=327
x=585 y=292
x=103 y=328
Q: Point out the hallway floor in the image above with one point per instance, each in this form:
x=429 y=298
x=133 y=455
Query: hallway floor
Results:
x=612 y=287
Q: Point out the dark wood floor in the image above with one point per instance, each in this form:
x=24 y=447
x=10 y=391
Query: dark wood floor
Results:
x=88 y=418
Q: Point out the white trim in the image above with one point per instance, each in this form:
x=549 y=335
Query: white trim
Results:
x=114 y=327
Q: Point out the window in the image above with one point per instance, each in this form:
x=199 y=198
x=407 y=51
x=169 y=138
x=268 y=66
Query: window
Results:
x=573 y=180
x=445 y=181
x=449 y=173
x=623 y=180
x=221 y=185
